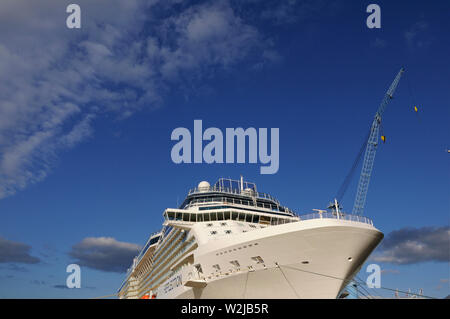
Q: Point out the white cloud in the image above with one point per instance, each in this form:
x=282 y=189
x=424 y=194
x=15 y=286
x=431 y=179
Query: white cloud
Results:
x=54 y=81
x=79 y=132
x=287 y=12
x=416 y=36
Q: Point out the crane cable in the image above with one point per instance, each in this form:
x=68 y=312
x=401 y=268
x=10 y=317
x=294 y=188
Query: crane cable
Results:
x=341 y=192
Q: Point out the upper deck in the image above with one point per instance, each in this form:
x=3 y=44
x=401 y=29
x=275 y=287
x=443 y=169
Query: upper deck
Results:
x=230 y=191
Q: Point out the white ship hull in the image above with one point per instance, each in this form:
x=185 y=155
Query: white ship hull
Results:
x=306 y=259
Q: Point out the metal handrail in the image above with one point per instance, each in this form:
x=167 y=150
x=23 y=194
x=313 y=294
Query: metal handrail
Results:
x=234 y=191
x=334 y=215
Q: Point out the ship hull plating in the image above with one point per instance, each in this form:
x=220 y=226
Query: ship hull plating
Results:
x=306 y=259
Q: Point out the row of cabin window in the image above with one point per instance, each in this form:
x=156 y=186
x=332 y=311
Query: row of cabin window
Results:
x=237 y=201
x=213 y=216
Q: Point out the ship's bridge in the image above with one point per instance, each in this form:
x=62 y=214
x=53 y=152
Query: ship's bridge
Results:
x=234 y=192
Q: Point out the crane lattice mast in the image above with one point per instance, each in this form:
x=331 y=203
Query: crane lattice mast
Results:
x=371 y=149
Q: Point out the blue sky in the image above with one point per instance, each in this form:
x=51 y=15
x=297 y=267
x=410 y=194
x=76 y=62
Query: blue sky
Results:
x=86 y=117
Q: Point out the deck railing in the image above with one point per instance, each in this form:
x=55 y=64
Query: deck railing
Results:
x=227 y=190
x=234 y=191
x=334 y=215
x=324 y=215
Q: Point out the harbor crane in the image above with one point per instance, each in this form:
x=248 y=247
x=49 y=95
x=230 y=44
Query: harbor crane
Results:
x=370 y=146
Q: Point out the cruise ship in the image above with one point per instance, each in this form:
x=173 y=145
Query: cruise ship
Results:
x=231 y=241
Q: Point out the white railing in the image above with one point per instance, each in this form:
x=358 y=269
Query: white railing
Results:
x=234 y=191
x=227 y=200
x=334 y=215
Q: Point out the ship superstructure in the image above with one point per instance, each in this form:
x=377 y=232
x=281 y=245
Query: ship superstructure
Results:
x=231 y=241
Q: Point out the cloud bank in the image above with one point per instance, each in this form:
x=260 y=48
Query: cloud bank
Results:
x=415 y=245
x=15 y=252
x=104 y=253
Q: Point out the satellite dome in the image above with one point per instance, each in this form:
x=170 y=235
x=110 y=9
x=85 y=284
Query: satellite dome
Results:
x=203 y=186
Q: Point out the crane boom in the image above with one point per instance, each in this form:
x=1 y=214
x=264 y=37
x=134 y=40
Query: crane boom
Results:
x=371 y=148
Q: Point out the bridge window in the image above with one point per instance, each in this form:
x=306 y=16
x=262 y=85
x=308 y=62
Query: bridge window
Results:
x=248 y=218
x=179 y=216
x=234 y=215
x=171 y=215
x=213 y=216
x=206 y=217
x=219 y=215
x=226 y=215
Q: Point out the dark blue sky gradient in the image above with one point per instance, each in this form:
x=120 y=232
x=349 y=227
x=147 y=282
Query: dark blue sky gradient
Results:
x=322 y=94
